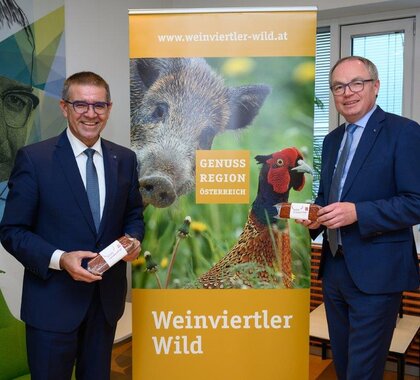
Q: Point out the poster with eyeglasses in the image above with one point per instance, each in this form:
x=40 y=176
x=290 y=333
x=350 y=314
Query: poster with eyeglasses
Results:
x=32 y=72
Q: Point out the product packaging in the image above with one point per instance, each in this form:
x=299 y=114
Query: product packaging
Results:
x=112 y=254
x=307 y=211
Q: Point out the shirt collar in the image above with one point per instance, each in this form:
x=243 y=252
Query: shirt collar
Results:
x=78 y=147
x=364 y=120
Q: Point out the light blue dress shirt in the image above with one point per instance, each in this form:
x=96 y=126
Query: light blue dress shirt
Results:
x=357 y=134
x=3 y=195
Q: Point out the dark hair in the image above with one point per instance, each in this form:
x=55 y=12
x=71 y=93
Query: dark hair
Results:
x=373 y=71
x=85 y=78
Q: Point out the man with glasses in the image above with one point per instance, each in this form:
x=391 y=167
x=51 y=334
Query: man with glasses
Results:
x=16 y=105
x=70 y=197
x=16 y=98
x=370 y=193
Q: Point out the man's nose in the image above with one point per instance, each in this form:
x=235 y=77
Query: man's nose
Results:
x=347 y=88
x=90 y=111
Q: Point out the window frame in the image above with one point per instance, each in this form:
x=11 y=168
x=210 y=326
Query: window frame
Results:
x=406 y=25
x=335 y=27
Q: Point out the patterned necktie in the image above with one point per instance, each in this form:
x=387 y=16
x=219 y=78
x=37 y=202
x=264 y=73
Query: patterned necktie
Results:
x=335 y=190
x=92 y=187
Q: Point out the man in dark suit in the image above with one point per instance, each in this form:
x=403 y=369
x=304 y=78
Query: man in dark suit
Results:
x=368 y=252
x=70 y=313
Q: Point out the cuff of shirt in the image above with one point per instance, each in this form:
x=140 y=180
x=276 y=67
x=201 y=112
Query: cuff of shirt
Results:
x=55 y=259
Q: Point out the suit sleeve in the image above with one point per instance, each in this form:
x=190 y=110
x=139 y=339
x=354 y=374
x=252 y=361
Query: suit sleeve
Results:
x=320 y=200
x=16 y=227
x=134 y=222
x=401 y=210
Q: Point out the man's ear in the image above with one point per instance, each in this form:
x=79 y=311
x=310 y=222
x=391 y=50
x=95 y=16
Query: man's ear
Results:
x=377 y=85
x=63 y=106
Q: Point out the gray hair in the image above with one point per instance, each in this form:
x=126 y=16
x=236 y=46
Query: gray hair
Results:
x=371 y=67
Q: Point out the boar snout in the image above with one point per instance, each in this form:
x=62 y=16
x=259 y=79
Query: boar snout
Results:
x=157 y=190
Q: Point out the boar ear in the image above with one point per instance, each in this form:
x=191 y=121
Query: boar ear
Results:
x=144 y=70
x=245 y=102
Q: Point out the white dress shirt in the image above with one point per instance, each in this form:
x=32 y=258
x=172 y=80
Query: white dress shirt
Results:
x=78 y=149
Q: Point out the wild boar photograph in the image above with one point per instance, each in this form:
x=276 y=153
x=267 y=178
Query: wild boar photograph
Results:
x=179 y=106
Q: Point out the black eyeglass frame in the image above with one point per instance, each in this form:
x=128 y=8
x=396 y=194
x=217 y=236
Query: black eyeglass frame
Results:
x=349 y=84
x=81 y=102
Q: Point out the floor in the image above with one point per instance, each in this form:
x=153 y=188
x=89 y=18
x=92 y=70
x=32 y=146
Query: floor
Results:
x=121 y=361
x=318 y=369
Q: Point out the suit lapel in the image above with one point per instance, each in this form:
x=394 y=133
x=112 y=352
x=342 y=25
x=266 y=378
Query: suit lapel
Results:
x=366 y=143
x=335 y=143
x=65 y=156
x=111 y=175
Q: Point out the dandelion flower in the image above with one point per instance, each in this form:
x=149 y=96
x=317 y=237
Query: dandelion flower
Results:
x=198 y=226
x=151 y=266
x=238 y=66
x=305 y=72
x=164 y=262
x=184 y=230
x=138 y=262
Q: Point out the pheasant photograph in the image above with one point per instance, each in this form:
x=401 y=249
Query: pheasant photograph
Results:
x=263 y=250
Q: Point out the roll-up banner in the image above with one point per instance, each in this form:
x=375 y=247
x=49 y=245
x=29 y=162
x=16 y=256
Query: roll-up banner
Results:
x=221 y=121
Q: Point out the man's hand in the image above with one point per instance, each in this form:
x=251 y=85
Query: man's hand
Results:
x=72 y=263
x=134 y=253
x=312 y=225
x=337 y=215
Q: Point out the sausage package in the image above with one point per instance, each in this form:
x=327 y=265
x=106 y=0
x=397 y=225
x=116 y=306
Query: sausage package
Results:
x=112 y=254
x=307 y=211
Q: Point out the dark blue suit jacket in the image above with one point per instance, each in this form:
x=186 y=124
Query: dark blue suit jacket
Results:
x=384 y=183
x=48 y=209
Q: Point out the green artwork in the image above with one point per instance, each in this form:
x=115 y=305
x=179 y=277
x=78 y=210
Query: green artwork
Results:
x=32 y=72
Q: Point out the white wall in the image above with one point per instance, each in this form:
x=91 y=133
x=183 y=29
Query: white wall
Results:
x=97 y=40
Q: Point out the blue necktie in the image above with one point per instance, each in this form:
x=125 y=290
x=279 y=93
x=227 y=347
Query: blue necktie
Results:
x=335 y=190
x=92 y=187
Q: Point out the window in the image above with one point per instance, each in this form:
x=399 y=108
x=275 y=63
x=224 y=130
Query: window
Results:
x=322 y=98
x=386 y=51
x=390 y=45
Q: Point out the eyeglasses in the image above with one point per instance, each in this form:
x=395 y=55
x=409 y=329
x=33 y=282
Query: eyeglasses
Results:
x=17 y=105
x=354 y=86
x=81 y=107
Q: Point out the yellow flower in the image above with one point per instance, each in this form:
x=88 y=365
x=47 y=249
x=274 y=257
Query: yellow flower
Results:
x=164 y=263
x=304 y=72
x=138 y=262
x=238 y=66
x=198 y=226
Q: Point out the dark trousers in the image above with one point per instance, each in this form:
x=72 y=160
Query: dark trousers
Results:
x=360 y=325
x=53 y=355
